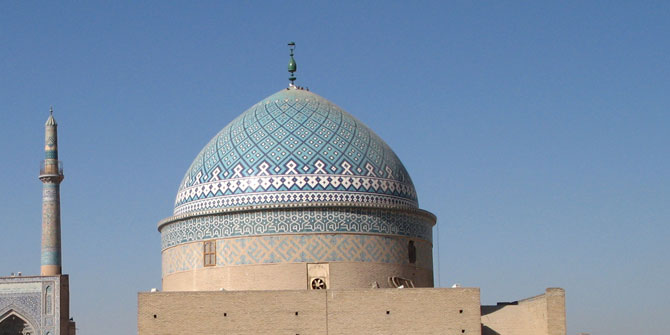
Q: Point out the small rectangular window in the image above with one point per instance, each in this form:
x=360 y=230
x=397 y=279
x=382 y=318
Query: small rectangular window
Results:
x=209 y=253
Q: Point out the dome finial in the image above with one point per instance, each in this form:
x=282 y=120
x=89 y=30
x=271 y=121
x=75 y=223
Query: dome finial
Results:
x=51 y=110
x=292 y=66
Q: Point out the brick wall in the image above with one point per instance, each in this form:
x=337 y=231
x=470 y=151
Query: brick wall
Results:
x=540 y=315
x=362 y=311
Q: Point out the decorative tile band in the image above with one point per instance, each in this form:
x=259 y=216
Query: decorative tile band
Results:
x=262 y=188
x=296 y=221
x=293 y=197
x=298 y=249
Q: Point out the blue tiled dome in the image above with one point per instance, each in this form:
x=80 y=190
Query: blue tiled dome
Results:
x=295 y=149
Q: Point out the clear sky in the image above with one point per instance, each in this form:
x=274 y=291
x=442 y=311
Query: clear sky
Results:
x=537 y=132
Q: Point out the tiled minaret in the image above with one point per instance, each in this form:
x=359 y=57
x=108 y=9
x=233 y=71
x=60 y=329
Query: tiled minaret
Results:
x=51 y=175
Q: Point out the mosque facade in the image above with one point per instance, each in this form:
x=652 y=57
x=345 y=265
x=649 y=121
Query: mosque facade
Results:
x=296 y=218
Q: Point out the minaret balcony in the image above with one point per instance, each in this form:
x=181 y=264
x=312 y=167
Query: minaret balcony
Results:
x=51 y=168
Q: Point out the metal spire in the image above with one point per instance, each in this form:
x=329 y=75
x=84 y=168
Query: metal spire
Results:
x=50 y=120
x=292 y=66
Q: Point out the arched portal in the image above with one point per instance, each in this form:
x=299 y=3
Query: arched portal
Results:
x=13 y=324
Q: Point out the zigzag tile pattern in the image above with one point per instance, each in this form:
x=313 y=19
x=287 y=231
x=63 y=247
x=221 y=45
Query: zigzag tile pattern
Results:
x=298 y=249
x=296 y=221
x=293 y=143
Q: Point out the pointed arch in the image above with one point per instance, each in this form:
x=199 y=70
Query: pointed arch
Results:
x=13 y=323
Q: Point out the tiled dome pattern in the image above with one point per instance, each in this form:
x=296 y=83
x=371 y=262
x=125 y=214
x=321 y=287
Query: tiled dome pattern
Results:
x=295 y=147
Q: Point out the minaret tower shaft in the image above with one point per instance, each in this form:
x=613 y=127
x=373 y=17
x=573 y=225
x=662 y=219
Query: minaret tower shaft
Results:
x=51 y=175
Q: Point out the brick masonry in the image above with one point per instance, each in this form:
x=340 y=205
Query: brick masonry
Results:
x=542 y=314
x=365 y=311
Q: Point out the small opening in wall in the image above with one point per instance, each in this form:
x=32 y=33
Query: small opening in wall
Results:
x=155 y=316
x=296 y=313
x=460 y=311
x=412 y=252
x=319 y=283
x=225 y=314
x=462 y=330
x=388 y=312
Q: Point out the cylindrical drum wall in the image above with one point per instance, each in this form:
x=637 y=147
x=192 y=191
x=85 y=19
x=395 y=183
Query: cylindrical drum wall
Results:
x=297 y=248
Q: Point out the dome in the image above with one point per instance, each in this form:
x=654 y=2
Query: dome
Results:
x=293 y=190
x=292 y=149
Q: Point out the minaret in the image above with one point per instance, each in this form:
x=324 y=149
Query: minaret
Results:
x=51 y=175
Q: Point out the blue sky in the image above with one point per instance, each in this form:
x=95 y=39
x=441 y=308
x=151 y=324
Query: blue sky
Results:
x=537 y=132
